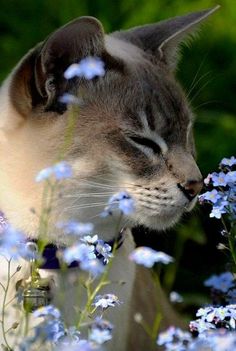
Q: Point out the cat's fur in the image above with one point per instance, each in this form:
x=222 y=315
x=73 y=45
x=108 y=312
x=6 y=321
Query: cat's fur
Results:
x=133 y=133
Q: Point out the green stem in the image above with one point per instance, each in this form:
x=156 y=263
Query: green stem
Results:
x=4 y=304
x=231 y=240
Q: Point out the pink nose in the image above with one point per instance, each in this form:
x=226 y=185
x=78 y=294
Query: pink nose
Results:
x=191 y=188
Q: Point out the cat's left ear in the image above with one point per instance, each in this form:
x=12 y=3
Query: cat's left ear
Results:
x=162 y=39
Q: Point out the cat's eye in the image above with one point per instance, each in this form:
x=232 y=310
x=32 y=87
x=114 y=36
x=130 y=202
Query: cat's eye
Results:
x=147 y=143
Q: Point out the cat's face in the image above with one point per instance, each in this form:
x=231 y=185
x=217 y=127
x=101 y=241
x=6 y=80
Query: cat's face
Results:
x=133 y=126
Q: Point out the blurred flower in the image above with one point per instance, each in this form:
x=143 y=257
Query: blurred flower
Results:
x=174 y=339
x=76 y=228
x=220 y=340
x=71 y=337
x=90 y=240
x=121 y=201
x=95 y=267
x=88 y=68
x=222 y=282
x=200 y=326
x=13 y=244
x=81 y=345
x=79 y=252
x=69 y=99
x=102 y=324
x=47 y=311
x=61 y=170
x=105 y=301
x=147 y=256
x=176 y=297
x=100 y=336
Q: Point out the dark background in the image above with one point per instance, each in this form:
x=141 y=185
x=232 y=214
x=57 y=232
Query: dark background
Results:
x=207 y=72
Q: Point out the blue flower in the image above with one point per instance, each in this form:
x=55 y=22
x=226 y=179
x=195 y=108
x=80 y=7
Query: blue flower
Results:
x=174 y=339
x=79 y=252
x=49 y=330
x=12 y=243
x=200 y=326
x=71 y=337
x=213 y=196
x=121 y=201
x=47 y=311
x=94 y=267
x=105 y=301
x=212 y=317
x=100 y=336
x=231 y=178
x=222 y=282
x=90 y=240
x=60 y=170
x=69 y=99
x=219 y=179
x=81 y=345
x=228 y=161
x=76 y=228
x=88 y=68
x=104 y=250
x=147 y=256
x=220 y=340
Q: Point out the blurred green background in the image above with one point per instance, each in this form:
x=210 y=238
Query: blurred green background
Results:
x=207 y=71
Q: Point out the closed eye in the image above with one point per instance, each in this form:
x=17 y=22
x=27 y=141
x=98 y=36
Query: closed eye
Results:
x=148 y=143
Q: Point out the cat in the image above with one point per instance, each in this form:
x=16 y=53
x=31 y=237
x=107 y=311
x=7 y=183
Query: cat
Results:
x=133 y=133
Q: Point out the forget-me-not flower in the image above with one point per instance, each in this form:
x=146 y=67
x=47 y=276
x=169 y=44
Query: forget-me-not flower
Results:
x=87 y=68
x=61 y=170
x=148 y=257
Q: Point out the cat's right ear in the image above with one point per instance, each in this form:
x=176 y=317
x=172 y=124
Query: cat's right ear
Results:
x=38 y=81
x=162 y=40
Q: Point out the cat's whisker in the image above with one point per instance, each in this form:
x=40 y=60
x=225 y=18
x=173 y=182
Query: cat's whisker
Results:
x=197 y=82
x=195 y=108
x=202 y=87
x=192 y=85
x=88 y=195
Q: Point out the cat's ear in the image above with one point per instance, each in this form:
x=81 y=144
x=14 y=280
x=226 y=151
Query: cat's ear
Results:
x=162 y=39
x=39 y=78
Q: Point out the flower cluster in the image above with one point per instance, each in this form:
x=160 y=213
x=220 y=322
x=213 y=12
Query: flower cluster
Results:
x=222 y=196
x=148 y=257
x=174 y=339
x=214 y=317
x=223 y=288
x=220 y=340
x=52 y=330
x=91 y=253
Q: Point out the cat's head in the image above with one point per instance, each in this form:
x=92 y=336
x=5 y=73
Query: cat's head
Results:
x=133 y=129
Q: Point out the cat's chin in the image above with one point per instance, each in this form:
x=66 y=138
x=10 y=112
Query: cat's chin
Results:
x=160 y=223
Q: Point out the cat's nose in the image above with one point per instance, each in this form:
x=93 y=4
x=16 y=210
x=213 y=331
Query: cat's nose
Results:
x=191 y=188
